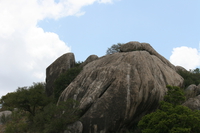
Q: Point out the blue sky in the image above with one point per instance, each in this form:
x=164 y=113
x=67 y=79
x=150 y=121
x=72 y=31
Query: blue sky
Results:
x=163 y=24
x=34 y=33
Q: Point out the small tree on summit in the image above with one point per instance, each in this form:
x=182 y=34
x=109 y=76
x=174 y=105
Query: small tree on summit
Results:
x=114 y=48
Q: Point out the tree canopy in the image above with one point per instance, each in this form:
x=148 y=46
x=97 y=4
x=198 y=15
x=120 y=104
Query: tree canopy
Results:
x=114 y=48
x=171 y=117
x=36 y=112
x=190 y=77
x=29 y=99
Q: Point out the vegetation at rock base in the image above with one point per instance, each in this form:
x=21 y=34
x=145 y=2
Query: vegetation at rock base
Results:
x=190 y=77
x=65 y=79
x=171 y=116
x=36 y=112
x=30 y=99
x=114 y=48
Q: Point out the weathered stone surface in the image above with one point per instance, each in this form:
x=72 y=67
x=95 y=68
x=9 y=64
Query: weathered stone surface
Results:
x=192 y=91
x=193 y=97
x=89 y=59
x=137 y=46
x=58 y=67
x=76 y=127
x=6 y=113
x=180 y=68
x=193 y=103
x=116 y=90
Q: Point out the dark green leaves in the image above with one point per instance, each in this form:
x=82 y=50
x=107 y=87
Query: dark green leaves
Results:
x=64 y=80
x=114 y=48
x=171 y=117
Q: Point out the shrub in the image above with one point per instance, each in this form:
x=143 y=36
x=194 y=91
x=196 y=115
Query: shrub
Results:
x=171 y=117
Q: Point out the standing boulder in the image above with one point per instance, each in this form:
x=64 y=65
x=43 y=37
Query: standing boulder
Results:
x=193 y=103
x=59 y=66
x=75 y=127
x=192 y=91
x=116 y=90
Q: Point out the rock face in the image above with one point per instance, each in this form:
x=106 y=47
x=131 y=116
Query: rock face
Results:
x=116 y=90
x=136 y=46
x=58 y=67
x=76 y=127
x=193 y=103
x=192 y=93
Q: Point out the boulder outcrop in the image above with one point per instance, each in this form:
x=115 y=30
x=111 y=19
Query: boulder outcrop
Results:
x=193 y=103
x=192 y=91
x=58 y=67
x=116 y=90
x=137 y=46
x=193 y=97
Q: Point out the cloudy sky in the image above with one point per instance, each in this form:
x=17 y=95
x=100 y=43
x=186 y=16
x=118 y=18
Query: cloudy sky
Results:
x=33 y=33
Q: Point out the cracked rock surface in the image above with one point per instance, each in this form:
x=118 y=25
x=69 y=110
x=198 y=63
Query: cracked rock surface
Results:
x=116 y=90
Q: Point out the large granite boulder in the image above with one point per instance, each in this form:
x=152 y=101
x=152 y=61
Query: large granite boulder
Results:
x=192 y=91
x=193 y=103
x=116 y=90
x=59 y=66
x=76 y=127
x=193 y=97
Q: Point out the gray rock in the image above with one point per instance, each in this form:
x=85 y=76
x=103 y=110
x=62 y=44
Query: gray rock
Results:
x=58 y=67
x=192 y=91
x=89 y=59
x=4 y=115
x=193 y=103
x=76 y=127
x=137 y=46
x=116 y=90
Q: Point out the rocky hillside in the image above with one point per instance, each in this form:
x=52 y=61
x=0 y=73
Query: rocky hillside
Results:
x=115 y=91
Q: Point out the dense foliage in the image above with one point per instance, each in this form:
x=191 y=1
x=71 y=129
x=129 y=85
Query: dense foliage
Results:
x=30 y=99
x=114 y=48
x=55 y=118
x=171 y=117
x=65 y=79
x=190 y=77
x=36 y=112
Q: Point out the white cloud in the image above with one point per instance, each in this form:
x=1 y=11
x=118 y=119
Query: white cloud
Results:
x=25 y=49
x=186 y=57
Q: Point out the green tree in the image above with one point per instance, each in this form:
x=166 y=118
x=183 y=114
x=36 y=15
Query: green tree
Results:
x=175 y=95
x=114 y=48
x=190 y=77
x=55 y=118
x=30 y=99
x=171 y=117
x=36 y=112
